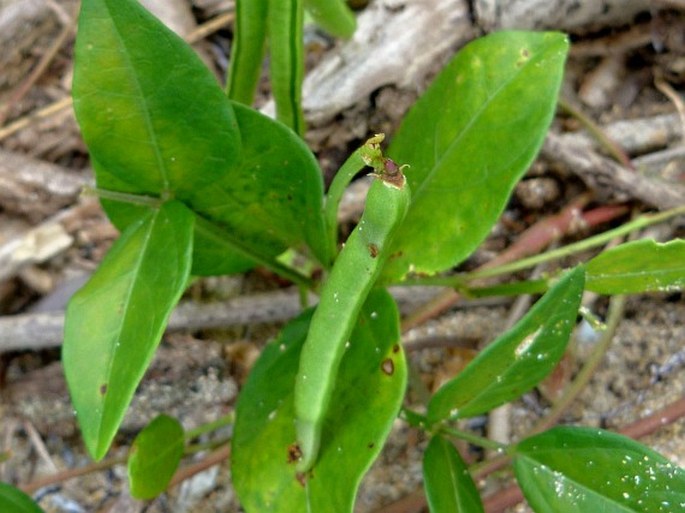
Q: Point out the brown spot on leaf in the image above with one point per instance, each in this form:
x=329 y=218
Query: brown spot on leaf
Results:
x=294 y=453
x=373 y=250
x=388 y=366
x=301 y=478
x=103 y=389
x=396 y=348
x=371 y=445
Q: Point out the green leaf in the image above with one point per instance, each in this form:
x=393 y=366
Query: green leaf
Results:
x=639 y=266
x=154 y=457
x=247 y=50
x=150 y=111
x=518 y=360
x=115 y=322
x=577 y=470
x=468 y=140
x=13 y=500
x=449 y=487
x=273 y=199
x=372 y=378
x=157 y=123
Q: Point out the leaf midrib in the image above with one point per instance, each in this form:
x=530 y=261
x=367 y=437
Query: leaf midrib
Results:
x=135 y=271
x=467 y=128
x=140 y=98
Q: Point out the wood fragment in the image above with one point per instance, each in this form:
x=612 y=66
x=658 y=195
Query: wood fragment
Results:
x=609 y=180
x=36 y=246
x=36 y=189
x=636 y=136
x=45 y=329
x=393 y=44
x=566 y=15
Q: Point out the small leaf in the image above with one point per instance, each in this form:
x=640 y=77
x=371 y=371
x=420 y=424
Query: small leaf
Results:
x=372 y=377
x=639 y=266
x=449 y=486
x=468 y=140
x=154 y=457
x=13 y=500
x=517 y=360
x=115 y=322
x=577 y=470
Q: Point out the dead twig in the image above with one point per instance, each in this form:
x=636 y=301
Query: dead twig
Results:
x=43 y=330
x=610 y=180
x=41 y=67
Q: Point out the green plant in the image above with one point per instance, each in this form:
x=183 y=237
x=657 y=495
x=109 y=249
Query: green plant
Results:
x=281 y=24
x=200 y=185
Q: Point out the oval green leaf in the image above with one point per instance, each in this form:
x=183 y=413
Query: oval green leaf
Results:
x=449 y=486
x=372 y=378
x=150 y=111
x=468 y=140
x=518 y=360
x=639 y=266
x=13 y=500
x=115 y=322
x=154 y=457
x=577 y=470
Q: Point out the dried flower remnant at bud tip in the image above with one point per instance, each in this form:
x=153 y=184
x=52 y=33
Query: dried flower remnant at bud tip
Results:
x=384 y=168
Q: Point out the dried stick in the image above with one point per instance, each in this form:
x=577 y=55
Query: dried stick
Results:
x=58 y=106
x=609 y=179
x=43 y=330
x=38 y=71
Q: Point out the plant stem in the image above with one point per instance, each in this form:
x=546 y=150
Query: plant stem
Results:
x=596 y=131
x=210 y=426
x=341 y=180
x=474 y=439
x=614 y=316
x=124 y=197
x=64 y=475
x=207 y=446
x=591 y=242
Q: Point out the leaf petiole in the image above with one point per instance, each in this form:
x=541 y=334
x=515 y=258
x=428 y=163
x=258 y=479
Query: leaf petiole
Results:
x=123 y=197
x=475 y=439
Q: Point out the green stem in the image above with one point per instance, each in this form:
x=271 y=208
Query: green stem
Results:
x=421 y=421
x=591 y=242
x=475 y=439
x=124 y=197
x=341 y=180
x=206 y=446
x=596 y=131
x=585 y=375
x=210 y=426
x=592 y=319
